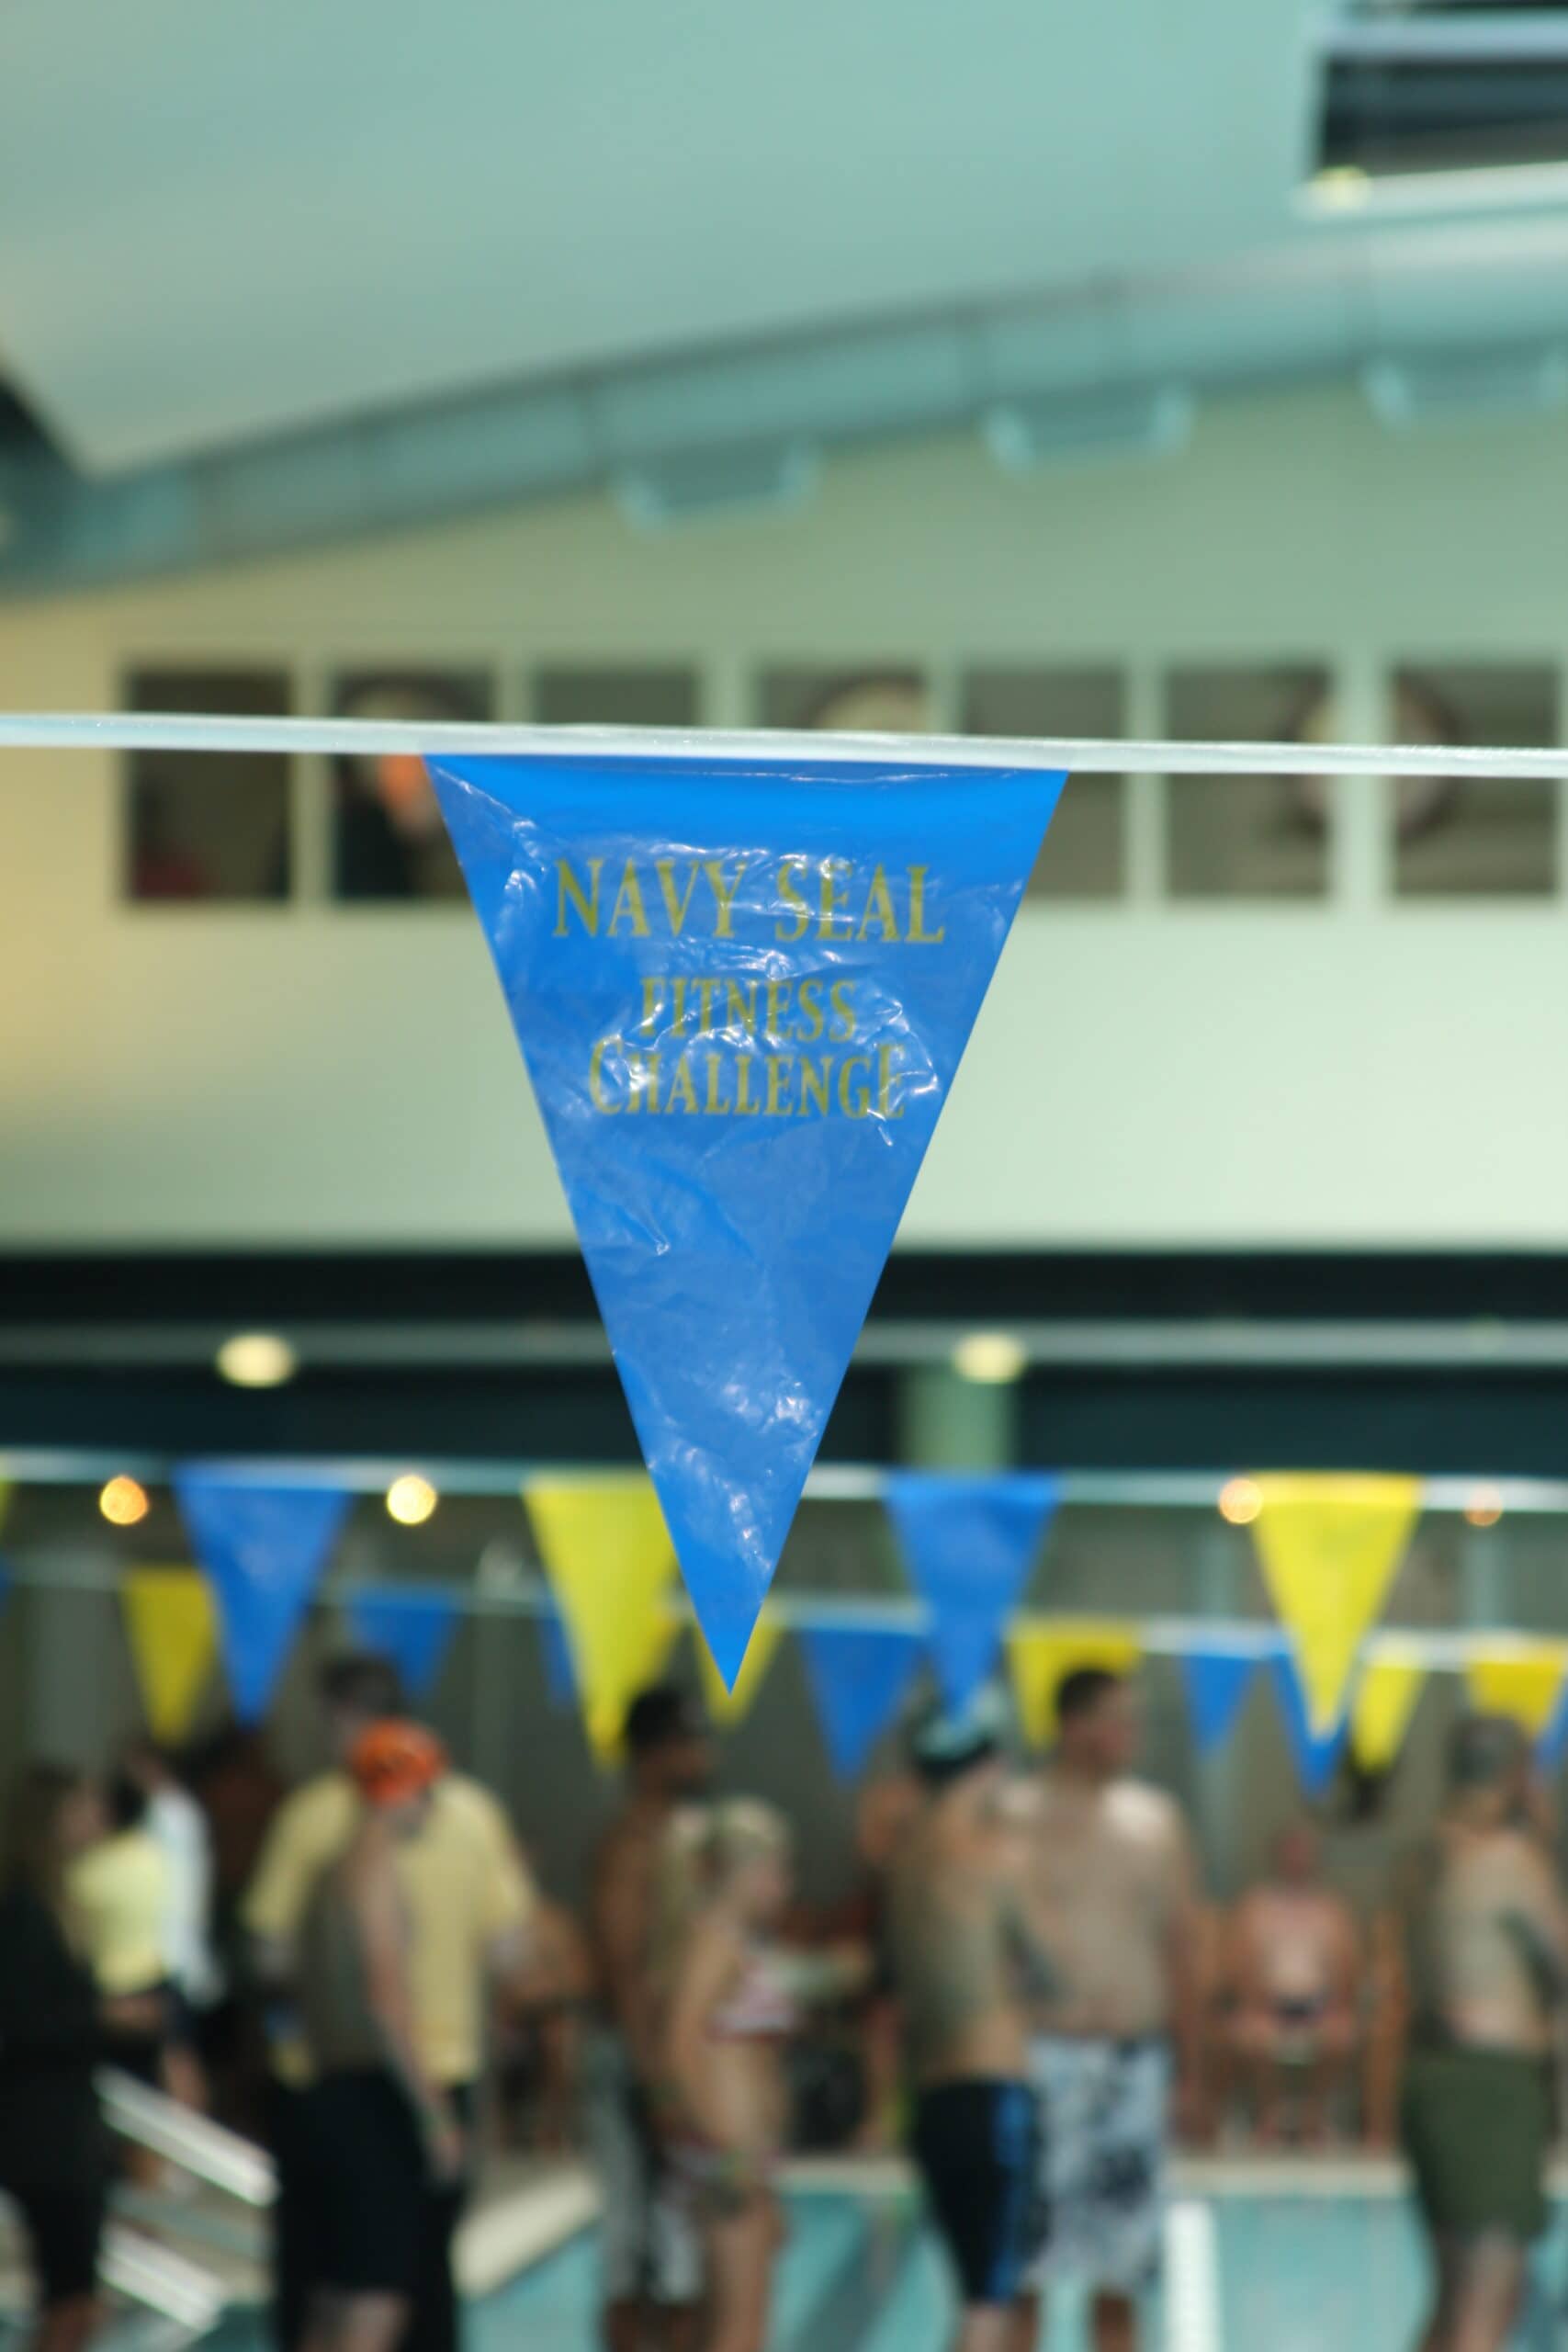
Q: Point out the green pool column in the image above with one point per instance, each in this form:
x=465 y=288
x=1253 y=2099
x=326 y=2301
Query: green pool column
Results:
x=948 y=1423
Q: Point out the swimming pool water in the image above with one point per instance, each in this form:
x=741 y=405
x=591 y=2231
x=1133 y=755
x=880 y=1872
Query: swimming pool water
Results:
x=861 y=2274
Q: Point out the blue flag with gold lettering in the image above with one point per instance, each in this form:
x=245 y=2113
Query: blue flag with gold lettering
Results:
x=742 y=991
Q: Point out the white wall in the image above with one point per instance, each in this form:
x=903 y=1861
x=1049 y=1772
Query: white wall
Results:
x=1340 y=1072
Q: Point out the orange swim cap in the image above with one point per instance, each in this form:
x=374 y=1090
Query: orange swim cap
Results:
x=393 y=1761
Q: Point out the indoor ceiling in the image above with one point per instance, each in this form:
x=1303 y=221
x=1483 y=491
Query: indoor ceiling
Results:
x=251 y=259
x=217 y=223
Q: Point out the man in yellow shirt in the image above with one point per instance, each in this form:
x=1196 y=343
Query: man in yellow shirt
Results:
x=470 y=1903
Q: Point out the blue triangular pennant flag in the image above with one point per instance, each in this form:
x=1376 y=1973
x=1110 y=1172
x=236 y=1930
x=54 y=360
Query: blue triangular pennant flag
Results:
x=969 y=1542
x=263 y=1541
x=858 y=1675
x=1316 y=1754
x=412 y=1626
x=1553 y=1743
x=560 y=1668
x=742 y=994
x=1216 y=1682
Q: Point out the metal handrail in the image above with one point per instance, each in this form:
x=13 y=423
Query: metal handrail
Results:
x=197 y=2145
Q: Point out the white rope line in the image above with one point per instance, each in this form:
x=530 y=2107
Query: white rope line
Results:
x=525 y=1593
x=360 y=737
x=828 y=1482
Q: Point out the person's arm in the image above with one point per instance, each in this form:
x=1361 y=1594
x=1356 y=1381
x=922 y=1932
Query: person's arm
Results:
x=1185 y=1976
x=1538 y=1922
x=510 y=1900
x=1039 y=1969
x=706 y=1972
x=291 y=1859
x=832 y=1973
x=373 y=1895
x=621 y=1910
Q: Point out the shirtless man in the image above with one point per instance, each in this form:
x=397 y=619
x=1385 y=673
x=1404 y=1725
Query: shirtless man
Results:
x=651 y=2262
x=1484 y=1932
x=965 y=1964
x=383 y=2137
x=1294 y=1975
x=1112 y=1902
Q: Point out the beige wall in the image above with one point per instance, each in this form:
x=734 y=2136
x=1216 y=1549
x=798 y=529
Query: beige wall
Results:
x=1339 y=1072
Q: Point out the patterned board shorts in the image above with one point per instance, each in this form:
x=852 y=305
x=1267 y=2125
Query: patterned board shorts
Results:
x=1103 y=2118
x=648 y=2244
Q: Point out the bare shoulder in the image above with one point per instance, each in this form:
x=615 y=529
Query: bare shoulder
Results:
x=1139 y=1810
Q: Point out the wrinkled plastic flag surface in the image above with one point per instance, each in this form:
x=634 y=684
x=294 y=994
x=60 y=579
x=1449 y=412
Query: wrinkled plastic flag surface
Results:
x=742 y=993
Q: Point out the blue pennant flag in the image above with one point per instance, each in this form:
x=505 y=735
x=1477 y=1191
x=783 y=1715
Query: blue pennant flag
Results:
x=1551 y=1745
x=1217 y=1681
x=742 y=994
x=264 y=1541
x=560 y=1668
x=1316 y=1754
x=858 y=1675
x=412 y=1626
x=969 y=1542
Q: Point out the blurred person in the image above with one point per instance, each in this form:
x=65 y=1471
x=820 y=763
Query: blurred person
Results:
x=383 y=2139
x=239 y=1791
x=966 y=1964
x=729 y=1996
x=177 y=1827
x=886 y=1810
x=119 y=1894
x=1294 y=1971
x=651 y=2262
x=53 y=2148
x=541 y=2019
x=1484 y=1940
x=1112 y=1900
x=470 y=1904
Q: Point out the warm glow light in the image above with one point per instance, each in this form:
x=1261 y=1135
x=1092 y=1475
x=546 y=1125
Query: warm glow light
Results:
x=257 y=1359
x=1241 y=1501
x=990 y=1356
x=410 y=1499
x=1484 y=1508
x=123 y=1502
x=1343 y=187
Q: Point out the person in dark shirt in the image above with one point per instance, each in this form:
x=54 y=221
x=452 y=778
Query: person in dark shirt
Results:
x=54 y=2158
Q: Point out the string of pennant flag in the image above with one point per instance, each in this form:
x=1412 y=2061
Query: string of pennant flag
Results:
x=743 y=976
x=1329 y=1549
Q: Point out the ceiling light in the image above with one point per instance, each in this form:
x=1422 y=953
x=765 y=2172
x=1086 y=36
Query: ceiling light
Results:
x=410 y=1499
x=992 y=1357
x=257 y=1359
x=1484 y=1508
x=124 y=1502
x=1241 y=1501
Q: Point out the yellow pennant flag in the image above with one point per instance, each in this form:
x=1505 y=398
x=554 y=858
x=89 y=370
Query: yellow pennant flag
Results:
x=1042 y=1656
x=1329 y=1549
x=171 y=1627
x=1523 y=1682
x=1380 y=1715
x=728 y=1707
x=609 y=1559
